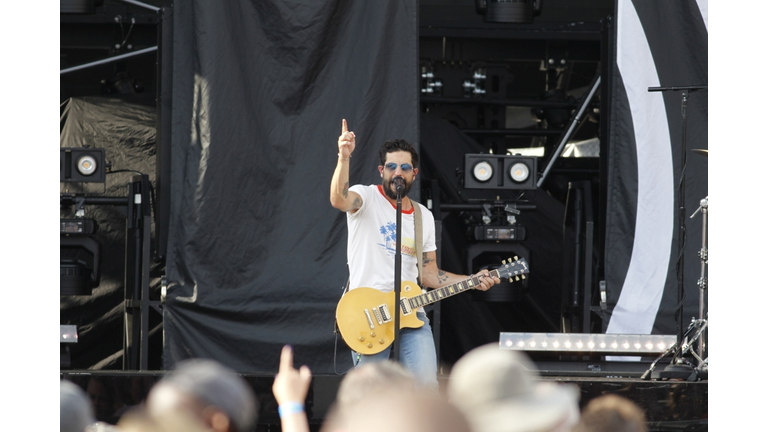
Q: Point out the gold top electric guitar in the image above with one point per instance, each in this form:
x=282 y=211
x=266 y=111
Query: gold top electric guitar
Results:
x=365 y=315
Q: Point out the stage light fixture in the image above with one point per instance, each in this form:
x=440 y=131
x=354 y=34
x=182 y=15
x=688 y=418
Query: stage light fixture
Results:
x=80 y=257
x=84 y=165
x=489 y=171
x=587 y=342
x=67 y=336
x=482 y=171
x=519 y=172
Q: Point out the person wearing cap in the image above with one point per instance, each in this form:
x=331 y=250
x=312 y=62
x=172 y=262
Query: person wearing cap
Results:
x=498 y=392
x=371 y=243
x=207 y=392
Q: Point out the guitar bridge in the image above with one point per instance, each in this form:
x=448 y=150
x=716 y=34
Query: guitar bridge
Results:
x=384 y=311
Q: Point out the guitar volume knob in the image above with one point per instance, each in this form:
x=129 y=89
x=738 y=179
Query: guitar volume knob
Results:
x=370 y=345
x=361 y=338
x=373 y=334
x=381 y=341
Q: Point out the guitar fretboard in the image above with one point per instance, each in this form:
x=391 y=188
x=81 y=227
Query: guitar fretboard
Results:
x=438 y=294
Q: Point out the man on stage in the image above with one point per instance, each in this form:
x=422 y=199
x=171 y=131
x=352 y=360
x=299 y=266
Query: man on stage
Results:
x=371 y=221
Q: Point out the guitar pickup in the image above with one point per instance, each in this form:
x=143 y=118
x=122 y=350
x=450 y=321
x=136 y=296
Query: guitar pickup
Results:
x=378 y=316
x=384 y=311
x=405 y=306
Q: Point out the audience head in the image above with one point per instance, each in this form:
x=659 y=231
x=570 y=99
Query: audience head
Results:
x=498 y=392
x=207 y=391
x=75 y=410
x=611 y=413
x=362 y=382
x=373 y=377
x=398 y=408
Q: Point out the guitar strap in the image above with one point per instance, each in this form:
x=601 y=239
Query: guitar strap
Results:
x=417 y=227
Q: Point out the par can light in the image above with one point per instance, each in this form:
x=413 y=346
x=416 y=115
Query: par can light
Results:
x=86 y=165
x=483 y=171
x=519 y=172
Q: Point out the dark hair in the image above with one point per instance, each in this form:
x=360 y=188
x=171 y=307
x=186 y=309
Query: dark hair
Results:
x=398 y=145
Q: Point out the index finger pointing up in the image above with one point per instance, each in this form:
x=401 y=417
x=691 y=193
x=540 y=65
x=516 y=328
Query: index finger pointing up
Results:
x=343 y=125
x=286 y=359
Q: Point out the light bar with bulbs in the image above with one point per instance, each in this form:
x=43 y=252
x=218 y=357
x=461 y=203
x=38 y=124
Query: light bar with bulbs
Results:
x=587 y=342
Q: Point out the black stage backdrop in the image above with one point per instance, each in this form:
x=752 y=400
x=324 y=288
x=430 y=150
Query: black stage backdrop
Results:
x=256 y=253
x=658 y=43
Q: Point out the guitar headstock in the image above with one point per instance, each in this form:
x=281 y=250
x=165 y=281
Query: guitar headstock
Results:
x=514 y=269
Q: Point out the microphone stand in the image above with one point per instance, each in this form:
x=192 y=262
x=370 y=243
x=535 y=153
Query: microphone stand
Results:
x=398 y=274
x=679 y=368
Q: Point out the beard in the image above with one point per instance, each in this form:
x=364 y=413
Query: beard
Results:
x=389 y=187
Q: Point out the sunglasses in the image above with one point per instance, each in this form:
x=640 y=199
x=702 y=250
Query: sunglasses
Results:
x=406 y=167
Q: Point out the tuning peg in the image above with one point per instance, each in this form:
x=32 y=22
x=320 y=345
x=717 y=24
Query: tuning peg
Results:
x=515 y=257
x=522 y=276
x=517 y=278
x=510 y=280
x=503 y=261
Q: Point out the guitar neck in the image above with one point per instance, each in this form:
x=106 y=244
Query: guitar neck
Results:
x=438 y=294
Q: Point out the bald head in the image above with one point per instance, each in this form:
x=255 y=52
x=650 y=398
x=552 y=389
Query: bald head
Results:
x=374 y=377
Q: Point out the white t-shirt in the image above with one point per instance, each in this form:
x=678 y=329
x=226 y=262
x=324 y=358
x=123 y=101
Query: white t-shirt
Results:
x=371 y=241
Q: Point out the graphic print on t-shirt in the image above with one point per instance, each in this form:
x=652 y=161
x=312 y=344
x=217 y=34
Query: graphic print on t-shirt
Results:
x=389 y=235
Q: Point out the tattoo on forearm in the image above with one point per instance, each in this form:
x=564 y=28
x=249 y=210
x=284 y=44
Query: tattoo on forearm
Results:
x=426 y=260
x=346 y=189
x=442 y=276
x=358 y=202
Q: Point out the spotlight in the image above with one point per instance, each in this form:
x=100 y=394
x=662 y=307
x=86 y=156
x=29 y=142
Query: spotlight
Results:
x=84 y=165
x=519 y=172
x=483 y=171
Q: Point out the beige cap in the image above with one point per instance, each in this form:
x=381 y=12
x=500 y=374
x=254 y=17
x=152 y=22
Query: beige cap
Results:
x=498 y=392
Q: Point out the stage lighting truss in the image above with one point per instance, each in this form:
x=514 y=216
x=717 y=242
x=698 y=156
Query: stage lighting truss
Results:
x=489 y=171
x=587 y=342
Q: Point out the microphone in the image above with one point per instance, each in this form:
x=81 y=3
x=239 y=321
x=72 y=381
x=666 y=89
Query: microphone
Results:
x=399 y=184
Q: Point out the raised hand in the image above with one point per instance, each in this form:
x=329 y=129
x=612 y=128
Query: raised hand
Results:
x=346 y=140
x=291 y=385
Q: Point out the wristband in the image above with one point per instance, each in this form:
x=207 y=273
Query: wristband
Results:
x=289 y=408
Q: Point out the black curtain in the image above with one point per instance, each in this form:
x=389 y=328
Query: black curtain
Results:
x=256 y=253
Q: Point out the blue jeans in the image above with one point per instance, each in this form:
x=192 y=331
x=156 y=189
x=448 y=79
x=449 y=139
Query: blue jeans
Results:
x=417 y=353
